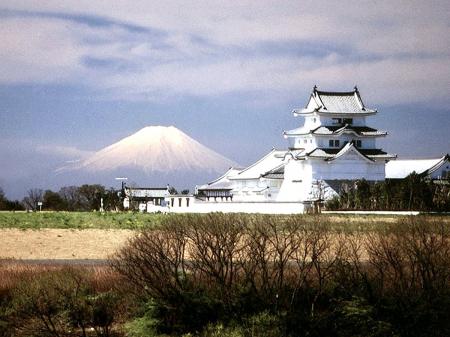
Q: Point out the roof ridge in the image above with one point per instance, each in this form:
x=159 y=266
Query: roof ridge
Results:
x=258 y=161
x=347 y=93
x=222 y=176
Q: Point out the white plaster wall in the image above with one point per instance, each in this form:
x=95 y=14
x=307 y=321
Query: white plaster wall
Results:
x=256 y=190
x=311 y=122
x=309 y=145
x=350 y=166
x=198 y=206
x=328 y=121
x=297 y=181
x=301 y=177
x=366 y=143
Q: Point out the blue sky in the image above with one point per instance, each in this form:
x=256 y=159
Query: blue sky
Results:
x=76 y=76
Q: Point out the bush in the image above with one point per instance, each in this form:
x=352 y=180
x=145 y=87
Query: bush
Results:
x=61 y=302
x=234 y=275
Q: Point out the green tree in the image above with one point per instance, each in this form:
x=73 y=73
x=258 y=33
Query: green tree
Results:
x=112 y=200
x=91 y=196
x=72 y=198
x=9 y=205
x=417 y=194
x=53 y=201
x=362 y=194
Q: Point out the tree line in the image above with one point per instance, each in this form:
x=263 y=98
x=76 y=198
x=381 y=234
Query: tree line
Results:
x=412 y=193
x=69 y=198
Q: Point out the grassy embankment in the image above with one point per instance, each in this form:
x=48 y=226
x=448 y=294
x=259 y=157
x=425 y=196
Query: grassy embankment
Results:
x=97 y=220
x=78 y=220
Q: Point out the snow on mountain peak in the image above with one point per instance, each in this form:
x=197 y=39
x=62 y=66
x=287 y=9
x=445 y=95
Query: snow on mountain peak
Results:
x=155 y=149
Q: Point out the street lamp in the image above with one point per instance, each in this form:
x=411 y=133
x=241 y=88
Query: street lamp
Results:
x=121 y=194
x=122 y=179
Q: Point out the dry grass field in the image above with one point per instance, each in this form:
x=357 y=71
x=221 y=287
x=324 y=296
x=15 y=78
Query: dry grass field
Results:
x=65 y=235
x=49 y=243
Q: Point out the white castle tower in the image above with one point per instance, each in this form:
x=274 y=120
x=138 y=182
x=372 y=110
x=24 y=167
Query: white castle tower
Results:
x=334 y=145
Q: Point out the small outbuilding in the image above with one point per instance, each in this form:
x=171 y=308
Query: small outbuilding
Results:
x=150 y=199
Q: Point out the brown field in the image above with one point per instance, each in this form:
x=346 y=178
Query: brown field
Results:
x=49 y=243
x=91 y=243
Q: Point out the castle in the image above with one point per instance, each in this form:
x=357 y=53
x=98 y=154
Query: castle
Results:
x=332 y=148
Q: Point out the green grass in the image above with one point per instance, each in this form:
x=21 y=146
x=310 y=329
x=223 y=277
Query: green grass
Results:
x=78 y=220
x=97 y=220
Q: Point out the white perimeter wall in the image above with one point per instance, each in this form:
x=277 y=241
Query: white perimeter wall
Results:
x=199 y=206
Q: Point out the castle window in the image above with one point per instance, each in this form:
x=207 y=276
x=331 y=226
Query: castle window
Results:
x=336 y=121
x=179 y=202
x=334 y=143
x=358 y=143
x=305 y=141
x=187 y=202
x=348 y=121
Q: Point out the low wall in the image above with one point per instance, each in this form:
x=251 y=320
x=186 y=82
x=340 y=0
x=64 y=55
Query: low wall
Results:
x=240 y=207
x=374 y=212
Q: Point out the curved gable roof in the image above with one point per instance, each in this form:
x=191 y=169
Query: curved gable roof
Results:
x=350 y=147
x=270 y=161
x=222 y=182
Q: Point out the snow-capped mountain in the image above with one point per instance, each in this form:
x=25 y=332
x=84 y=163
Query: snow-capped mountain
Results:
x=152 y=152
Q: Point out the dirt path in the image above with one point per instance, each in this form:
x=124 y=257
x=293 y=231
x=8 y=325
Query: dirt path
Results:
x=61 y=243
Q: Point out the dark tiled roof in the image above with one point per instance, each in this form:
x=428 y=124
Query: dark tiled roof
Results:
x=222 y=186
x=333 y=102
x=142 y=192
x=340 y=102
x=276 y=173
x=326 y=152
x=336 y=130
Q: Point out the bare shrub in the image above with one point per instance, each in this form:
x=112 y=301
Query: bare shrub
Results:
x=412 y=255
x=304 y=272
x=61 y=301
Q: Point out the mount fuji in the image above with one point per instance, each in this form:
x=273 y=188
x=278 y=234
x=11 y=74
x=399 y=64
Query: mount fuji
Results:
x=154 y=155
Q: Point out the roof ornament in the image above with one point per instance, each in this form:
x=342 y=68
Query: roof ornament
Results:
x=315 y=88
x=356 y=88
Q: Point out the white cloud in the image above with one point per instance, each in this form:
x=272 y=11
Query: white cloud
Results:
x=32 y=48
x=23 y=158
x=65 y=152
x=395 y=50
